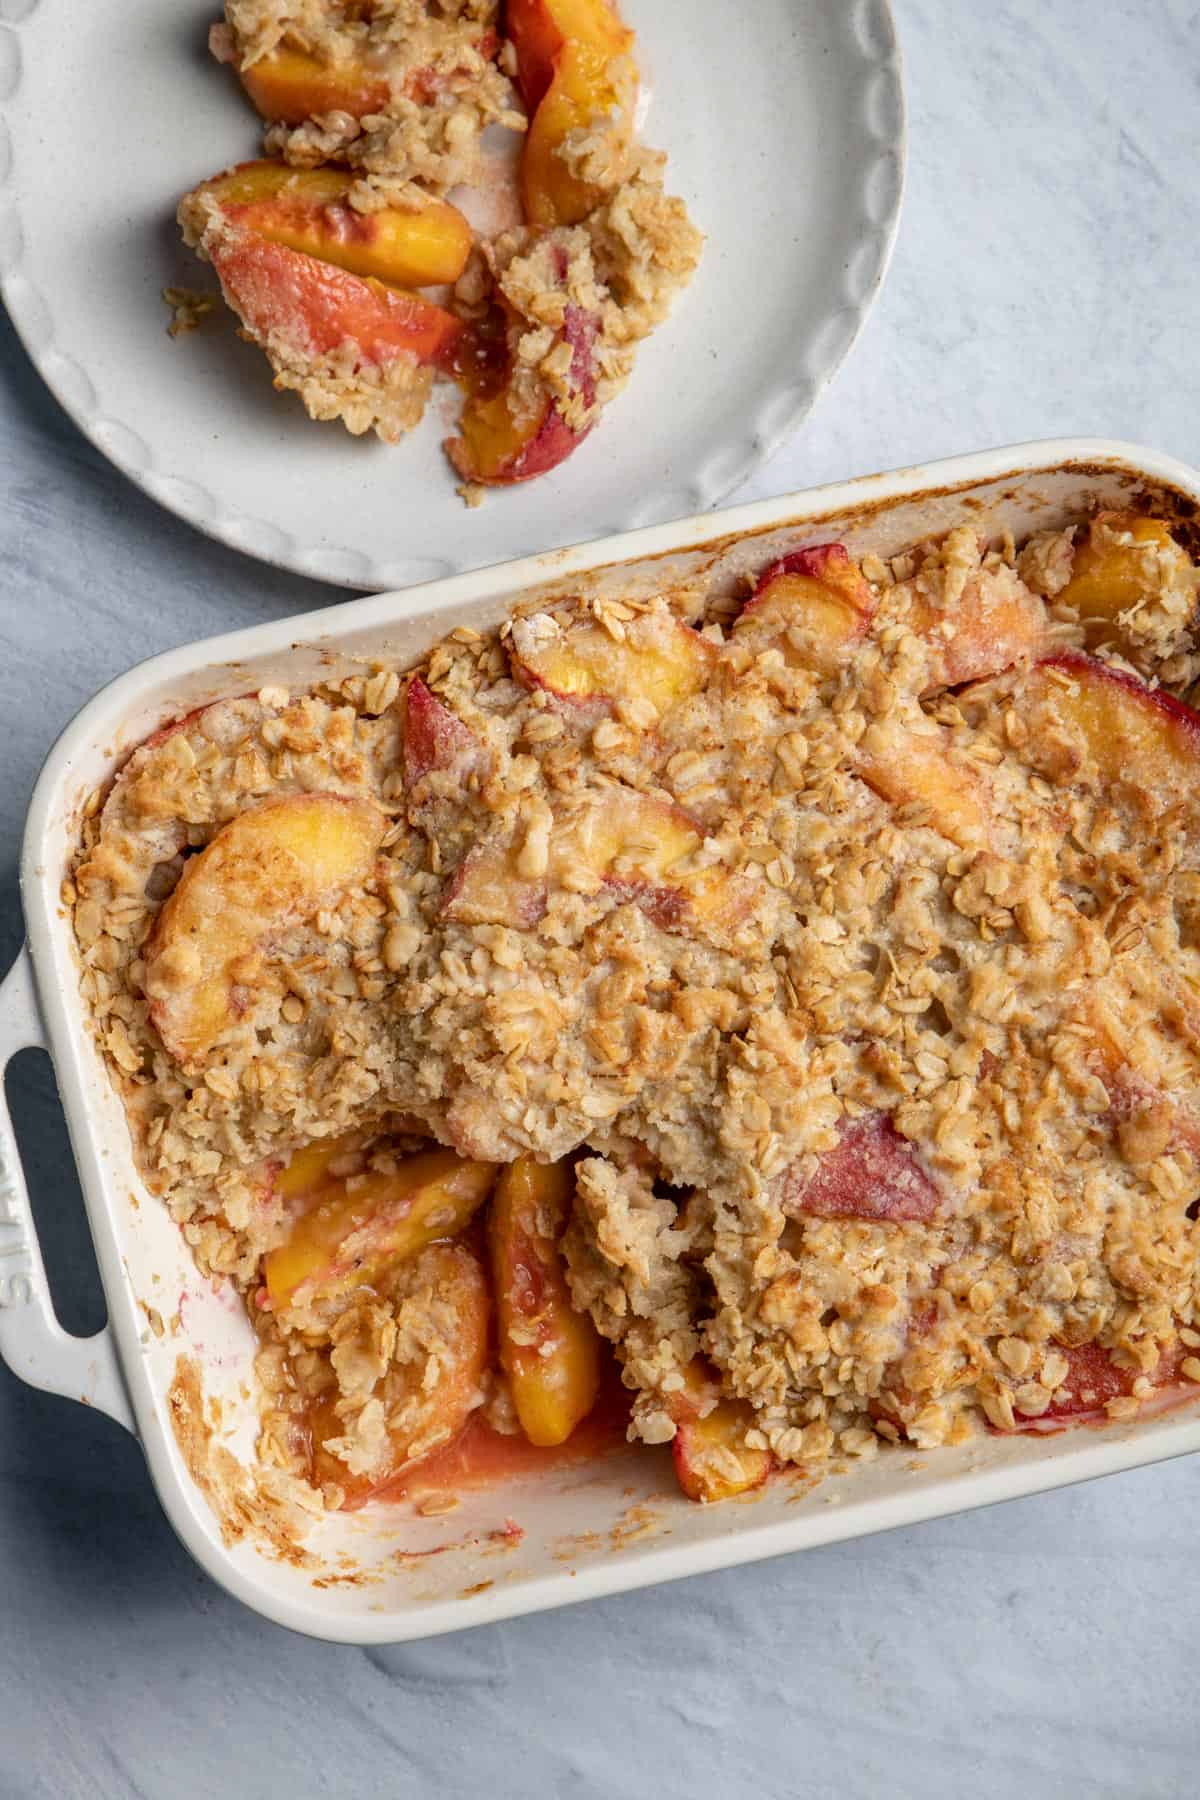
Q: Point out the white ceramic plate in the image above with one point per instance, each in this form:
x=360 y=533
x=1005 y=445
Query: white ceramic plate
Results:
x=785 y=129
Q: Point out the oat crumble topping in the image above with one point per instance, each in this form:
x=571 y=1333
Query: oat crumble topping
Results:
x=860 y=990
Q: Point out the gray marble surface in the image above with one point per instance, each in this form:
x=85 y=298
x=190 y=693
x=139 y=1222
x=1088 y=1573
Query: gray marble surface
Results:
x=1046 y=282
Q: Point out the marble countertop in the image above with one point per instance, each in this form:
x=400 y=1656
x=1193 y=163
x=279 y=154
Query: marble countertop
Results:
x=1046 y=282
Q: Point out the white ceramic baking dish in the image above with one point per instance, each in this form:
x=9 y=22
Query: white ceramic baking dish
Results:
x=587 y=1530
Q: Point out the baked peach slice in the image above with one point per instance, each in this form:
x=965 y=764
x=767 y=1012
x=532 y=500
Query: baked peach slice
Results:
x=435 y=740
x=1147 y=1120
x=270 y=869
x=1122 y=560
x=872 y=1173
x=1123 y=731
x=427 y=1402
x=172 y=727
x=307 y=1171
x=658 y=659
x=549 y=1351
x=507 y=435
x=995 y=622
x=291 y=1182
x=488 y=888
x=354 y=1231
x=636 y=843
x=913 y=771
x=814 y=606
x=309 y=308
x=309 y=210
x=1095 y=1377
x=289 y=85
x=630 y=844
x=578 y=78
x=712 y=1459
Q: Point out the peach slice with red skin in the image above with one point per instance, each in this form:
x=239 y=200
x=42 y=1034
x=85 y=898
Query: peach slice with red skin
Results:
x=1094 y=1378
x=538 y=31
x=435 y=740
x=424 y=1416
x=658 y=659
x=309 y=210
x=173 y=727
x=635 y=842
x=549 y=1351
x=354 y=1231
x=502 y=442
x=712 y=1459
x=577 y=75
x=496 y=451
x=316 y=308
x=273 y=867
x=872 y=1173
x=814 y=605
x=1132 y=734
x=1109 y=574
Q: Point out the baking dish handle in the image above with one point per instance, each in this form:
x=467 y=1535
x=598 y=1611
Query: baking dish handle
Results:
x=32 y=1342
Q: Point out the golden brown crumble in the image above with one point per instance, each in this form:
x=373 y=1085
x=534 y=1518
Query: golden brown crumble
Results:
x=622 y=267
x=788 y=961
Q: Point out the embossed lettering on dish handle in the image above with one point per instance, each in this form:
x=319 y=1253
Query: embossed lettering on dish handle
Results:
x=15 y=1290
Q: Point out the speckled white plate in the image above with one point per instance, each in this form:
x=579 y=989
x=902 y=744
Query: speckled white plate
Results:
x=785 y=129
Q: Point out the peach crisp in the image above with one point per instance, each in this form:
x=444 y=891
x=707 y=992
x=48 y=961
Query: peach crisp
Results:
x=344 y=261
x=788 y=992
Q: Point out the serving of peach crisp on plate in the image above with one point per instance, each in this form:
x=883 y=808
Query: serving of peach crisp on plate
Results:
x=786 y=997
x=346 y=263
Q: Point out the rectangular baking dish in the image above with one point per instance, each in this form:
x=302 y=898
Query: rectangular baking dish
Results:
x=384 y=1575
